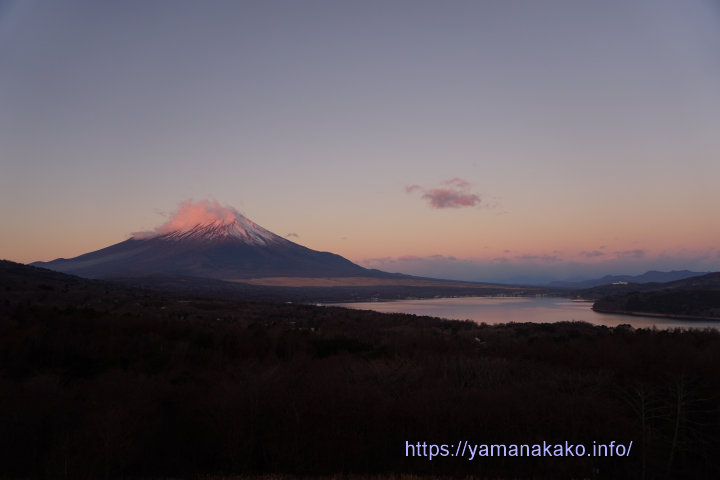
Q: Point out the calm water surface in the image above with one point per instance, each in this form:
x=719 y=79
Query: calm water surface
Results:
x=492 y=310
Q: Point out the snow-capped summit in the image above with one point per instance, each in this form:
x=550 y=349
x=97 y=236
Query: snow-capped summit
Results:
x=239 y=230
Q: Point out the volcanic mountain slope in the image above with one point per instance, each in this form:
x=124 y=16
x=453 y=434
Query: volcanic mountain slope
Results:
x=224 y=246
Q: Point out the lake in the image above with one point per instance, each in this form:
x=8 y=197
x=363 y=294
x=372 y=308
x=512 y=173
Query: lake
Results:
x=493 y=310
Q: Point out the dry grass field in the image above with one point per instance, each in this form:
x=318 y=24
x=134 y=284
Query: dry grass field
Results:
x=365 y=282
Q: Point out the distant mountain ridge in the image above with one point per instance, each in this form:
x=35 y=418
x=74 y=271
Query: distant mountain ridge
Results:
x=706 y=281
x=652 y=276
x=695 y=297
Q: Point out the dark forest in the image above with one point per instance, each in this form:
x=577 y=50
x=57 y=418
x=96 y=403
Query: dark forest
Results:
x=105 y=381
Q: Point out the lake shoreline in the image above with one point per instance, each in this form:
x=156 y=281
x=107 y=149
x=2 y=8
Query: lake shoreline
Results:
x=657 y=315
x=495 y=310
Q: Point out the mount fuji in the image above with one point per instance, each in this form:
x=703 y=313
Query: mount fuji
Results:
x=209 y=241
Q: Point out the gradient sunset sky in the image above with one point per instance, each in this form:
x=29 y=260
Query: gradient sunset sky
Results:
x=480 y=140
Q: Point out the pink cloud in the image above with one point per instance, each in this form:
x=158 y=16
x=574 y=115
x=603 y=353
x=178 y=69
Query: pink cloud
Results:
x=637 y=253
x=190 y=214
x=456 y=194
x=458 y=183
x=593 y=254
x=538 y=258
x=448 y=198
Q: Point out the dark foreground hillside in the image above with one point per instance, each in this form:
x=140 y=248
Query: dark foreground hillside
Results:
x=104 y=381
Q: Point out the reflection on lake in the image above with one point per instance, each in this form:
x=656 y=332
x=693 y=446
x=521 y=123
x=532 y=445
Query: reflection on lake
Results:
x=492 y=310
